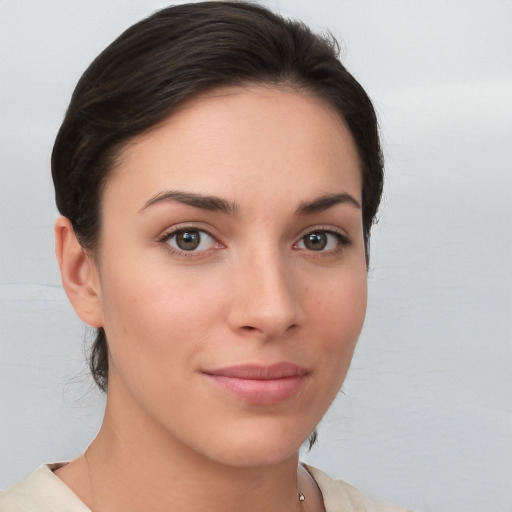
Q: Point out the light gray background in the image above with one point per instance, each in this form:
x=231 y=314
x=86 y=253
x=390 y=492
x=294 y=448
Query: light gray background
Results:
x=426 y=419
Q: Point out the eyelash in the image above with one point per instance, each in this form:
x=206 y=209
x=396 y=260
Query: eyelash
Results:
x=343 y=241
x=164 y=239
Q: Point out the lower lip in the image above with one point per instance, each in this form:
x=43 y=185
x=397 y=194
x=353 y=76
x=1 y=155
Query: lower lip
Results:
x=261 y=392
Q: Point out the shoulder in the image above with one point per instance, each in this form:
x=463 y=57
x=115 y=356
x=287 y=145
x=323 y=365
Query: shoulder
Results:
x=42 y=491
x=339 y=496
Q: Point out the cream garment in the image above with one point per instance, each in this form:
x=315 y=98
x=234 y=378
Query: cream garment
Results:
x=42 y=491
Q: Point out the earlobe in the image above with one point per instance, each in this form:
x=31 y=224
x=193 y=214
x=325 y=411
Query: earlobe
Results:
x=79 y=274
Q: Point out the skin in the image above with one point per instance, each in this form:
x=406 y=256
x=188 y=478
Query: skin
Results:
x=254 y=292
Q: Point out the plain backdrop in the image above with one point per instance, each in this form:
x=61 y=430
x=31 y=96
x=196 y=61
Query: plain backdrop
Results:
x=425 y=417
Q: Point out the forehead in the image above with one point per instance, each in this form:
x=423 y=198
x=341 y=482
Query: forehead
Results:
x=250 y=139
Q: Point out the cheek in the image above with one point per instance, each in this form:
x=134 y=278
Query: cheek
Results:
x=340 y=314
x=342 y=307
x=156 y=322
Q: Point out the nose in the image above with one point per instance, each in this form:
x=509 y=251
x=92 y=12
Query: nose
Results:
x=266 y=300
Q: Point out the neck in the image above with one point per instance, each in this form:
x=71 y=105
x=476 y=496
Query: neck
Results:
x=162 y=474
x=186 y=487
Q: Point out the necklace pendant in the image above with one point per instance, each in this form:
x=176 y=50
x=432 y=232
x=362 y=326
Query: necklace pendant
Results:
x=301 y=497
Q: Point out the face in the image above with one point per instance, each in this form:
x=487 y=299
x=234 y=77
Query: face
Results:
x=231 y=273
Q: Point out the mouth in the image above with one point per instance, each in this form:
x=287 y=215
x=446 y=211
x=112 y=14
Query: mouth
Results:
x=260 y=384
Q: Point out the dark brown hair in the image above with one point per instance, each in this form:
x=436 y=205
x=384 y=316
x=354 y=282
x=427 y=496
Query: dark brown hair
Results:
x=165 y=59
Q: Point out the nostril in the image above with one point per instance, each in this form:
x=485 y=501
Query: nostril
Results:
x=250 y=328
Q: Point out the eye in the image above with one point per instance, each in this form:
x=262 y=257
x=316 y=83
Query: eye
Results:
x=322 y=240
x=189 y=240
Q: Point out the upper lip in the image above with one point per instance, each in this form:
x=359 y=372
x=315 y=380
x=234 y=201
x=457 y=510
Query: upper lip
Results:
x=260 y=371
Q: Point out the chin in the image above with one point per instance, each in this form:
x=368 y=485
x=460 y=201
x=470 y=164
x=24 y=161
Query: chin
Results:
x=256 y=456
x=253 y=447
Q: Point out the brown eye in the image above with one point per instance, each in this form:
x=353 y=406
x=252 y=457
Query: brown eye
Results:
x=315 y=241
x=322 y=241
x=189 y=240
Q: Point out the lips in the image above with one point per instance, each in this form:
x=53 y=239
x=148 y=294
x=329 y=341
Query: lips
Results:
x=260 y=384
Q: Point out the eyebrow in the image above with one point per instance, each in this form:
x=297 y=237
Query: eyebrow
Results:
x=204 y=202
x=325 y=202
x=217 y=204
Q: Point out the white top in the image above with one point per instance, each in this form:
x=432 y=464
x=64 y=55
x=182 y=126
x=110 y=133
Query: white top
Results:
x=43 y=491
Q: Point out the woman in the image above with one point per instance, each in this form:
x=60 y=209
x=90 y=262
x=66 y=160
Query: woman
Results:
x=218 y=172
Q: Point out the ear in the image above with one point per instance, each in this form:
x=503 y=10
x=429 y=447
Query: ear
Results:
x=79 y=274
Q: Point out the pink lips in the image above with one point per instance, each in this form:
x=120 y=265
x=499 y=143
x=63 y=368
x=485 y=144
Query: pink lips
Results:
x=260 y=384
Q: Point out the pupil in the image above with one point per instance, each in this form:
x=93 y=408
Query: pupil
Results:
x=316 y=241
x=188 y=240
